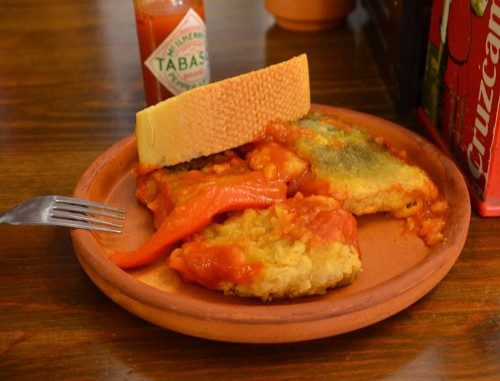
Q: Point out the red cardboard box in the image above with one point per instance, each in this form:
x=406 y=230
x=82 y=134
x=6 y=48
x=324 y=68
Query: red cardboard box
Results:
x=461 y=100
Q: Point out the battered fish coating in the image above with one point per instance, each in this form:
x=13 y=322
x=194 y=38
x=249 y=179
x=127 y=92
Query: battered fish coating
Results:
x=362 y=173
x=302 y=246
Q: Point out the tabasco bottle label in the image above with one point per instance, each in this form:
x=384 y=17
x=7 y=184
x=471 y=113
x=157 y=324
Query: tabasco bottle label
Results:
x=180 y=62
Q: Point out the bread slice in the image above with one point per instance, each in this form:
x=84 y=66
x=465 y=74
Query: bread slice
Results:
x=222 y=115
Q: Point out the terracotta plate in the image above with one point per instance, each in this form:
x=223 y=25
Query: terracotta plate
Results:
x=398 y=268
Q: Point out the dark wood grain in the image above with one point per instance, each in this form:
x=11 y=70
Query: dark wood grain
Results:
x=70 y=85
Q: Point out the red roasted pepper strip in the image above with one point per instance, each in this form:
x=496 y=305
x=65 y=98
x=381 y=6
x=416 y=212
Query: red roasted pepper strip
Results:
x=242 y=191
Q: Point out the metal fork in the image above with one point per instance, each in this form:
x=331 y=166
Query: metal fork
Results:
x=64 y=211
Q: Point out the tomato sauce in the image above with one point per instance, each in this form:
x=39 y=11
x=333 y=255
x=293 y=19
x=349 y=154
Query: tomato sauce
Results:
x=277 y=161
x=282 y=133
x=211 y=265
x=327 y=222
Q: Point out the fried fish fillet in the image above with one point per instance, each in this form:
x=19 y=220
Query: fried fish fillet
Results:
x=302 y=246
x=362 y=173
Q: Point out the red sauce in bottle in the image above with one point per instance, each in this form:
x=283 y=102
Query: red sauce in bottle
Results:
x=155 y=21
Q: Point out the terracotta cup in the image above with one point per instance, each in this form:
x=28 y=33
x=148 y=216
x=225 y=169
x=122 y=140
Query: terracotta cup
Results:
x=310 y=15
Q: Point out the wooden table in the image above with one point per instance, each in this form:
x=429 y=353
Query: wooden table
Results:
x=70 y=85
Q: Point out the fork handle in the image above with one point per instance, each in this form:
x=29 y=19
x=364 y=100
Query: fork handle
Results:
x=4 y=218
x=7 y=218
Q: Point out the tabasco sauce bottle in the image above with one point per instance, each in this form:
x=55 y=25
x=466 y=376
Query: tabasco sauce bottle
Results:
x=173 y=46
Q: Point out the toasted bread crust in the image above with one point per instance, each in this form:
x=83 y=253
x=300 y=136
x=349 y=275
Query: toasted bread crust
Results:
x=222 y=115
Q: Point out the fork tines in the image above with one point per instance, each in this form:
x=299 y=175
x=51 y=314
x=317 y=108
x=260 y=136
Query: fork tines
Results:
x=81 y=212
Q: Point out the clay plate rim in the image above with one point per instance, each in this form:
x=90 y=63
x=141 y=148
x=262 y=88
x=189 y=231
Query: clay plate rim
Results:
x=391 y=296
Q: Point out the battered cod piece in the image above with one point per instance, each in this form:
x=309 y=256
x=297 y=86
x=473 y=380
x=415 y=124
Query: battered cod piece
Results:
x=358 y=170
x=302 y=246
